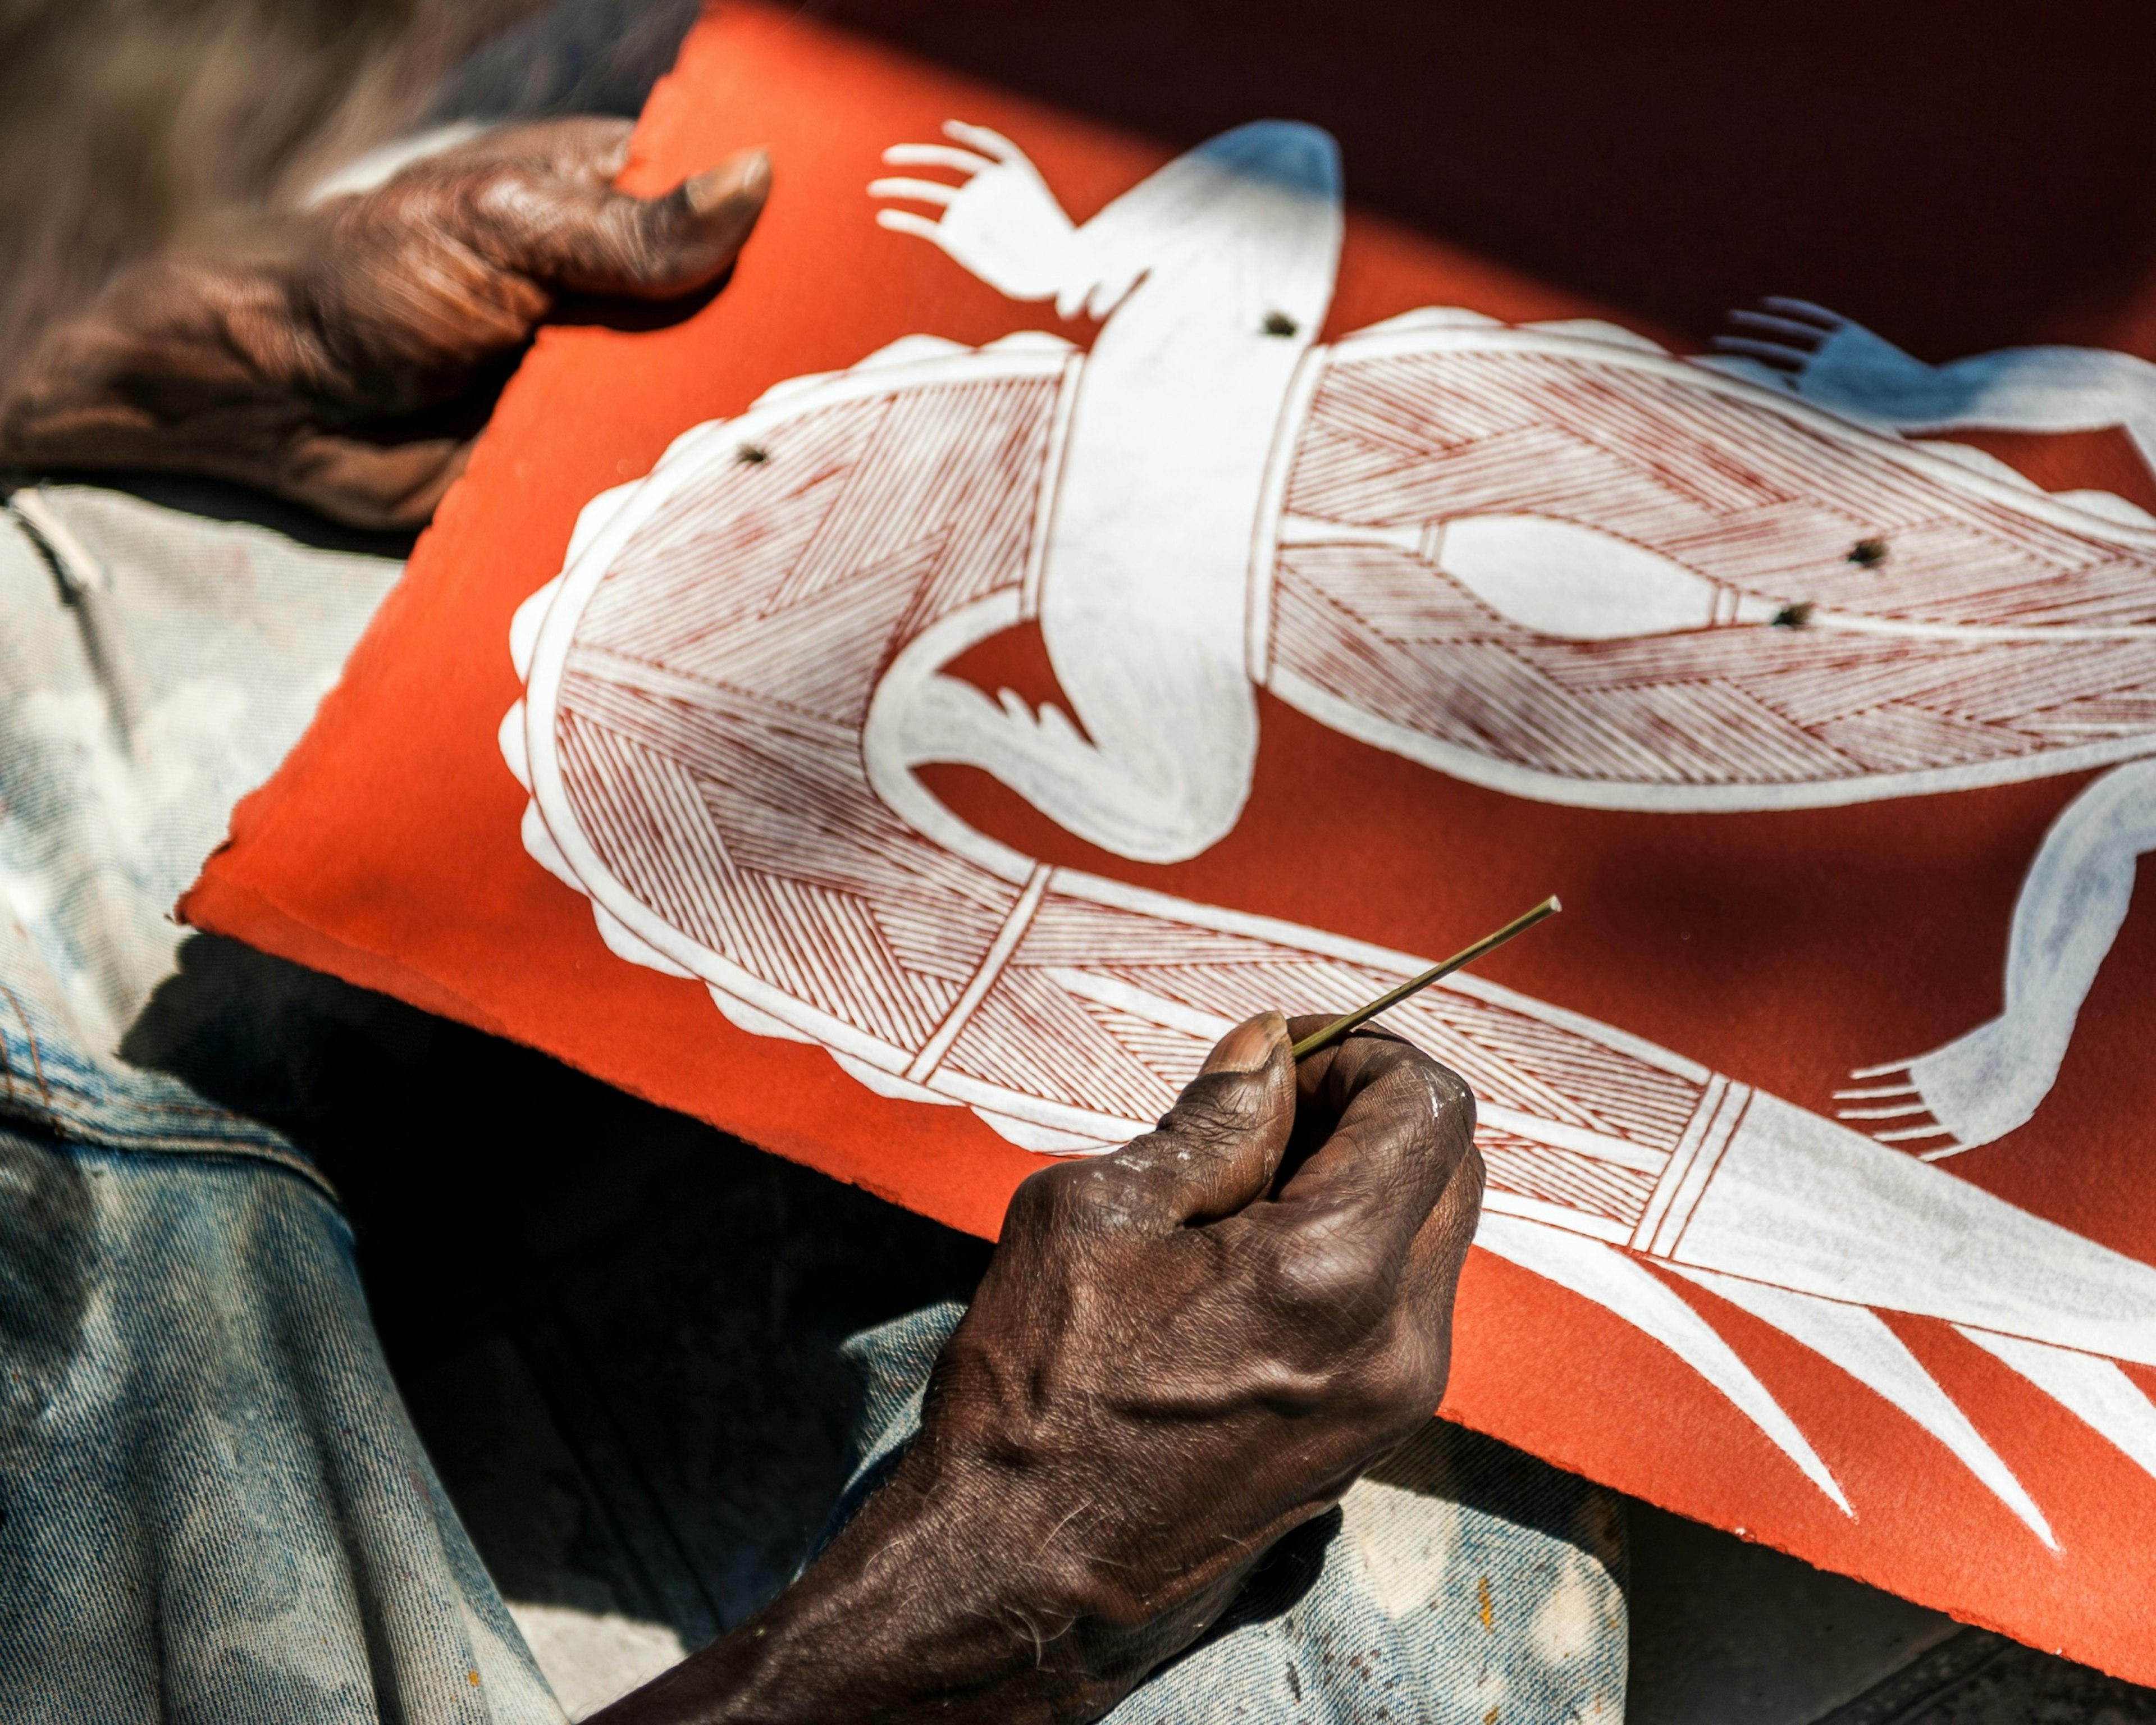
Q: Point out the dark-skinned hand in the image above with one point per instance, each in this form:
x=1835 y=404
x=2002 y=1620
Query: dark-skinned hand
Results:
x=277 y=351
x=1178 y=1354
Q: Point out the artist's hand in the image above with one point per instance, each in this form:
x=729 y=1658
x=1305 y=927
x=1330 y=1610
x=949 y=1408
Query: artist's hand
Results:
x=274 y=353
x=1174 y=1358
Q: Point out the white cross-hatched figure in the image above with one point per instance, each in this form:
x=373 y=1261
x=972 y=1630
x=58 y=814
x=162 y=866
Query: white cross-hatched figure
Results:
x=1984 y=1084
x=1215 y=275
x=1547 y=558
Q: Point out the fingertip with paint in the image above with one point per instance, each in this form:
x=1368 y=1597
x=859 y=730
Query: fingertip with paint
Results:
x=1249 y=1047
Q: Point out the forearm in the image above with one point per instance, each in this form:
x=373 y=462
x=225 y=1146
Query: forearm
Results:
x=1164 y=1370
x=933 y=1602
x=213 y=361
x=154 y=372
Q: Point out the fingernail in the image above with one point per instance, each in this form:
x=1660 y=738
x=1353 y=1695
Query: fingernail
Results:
x=1249 y=1046
x=746 y=175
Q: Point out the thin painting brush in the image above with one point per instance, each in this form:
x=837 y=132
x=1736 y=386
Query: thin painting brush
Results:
x=1340 y=1026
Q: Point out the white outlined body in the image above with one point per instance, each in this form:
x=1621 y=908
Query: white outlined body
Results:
x=1488 y=548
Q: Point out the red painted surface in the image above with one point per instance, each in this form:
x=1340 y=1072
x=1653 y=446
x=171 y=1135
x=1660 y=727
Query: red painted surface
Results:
x=1780 y=948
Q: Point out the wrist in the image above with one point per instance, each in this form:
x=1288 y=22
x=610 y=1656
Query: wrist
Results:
x=170 y=366
x=66 y=403
x=944 y=1598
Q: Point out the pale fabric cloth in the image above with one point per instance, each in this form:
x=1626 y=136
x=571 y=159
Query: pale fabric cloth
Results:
x=215 y=1506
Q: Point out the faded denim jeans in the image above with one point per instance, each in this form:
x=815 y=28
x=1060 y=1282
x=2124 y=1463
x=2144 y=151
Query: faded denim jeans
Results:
x=212 y=1506
x=215 y=1508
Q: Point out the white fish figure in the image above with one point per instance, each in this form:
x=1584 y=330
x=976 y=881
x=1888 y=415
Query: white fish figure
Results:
x=1550 y=559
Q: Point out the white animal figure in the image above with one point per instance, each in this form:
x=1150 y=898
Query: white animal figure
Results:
x=1552 y=559
x=1215 y=275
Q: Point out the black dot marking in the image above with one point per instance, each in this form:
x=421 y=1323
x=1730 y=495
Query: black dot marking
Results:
x=1794 y=616
x=752 y=455
x=1279 y=323
x=1868 y=553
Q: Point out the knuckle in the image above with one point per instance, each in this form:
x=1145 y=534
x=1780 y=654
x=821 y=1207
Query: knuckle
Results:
x=1471 y=1179
x=1446 y=1085
x=1043 y=1197
x=1391 y=1414
x=1071 y=1198
x=659 y=228
x=1324 y=1280
x=1422 y=1096
x=1033 y=1208
x=1449 y=1094
x=1214 y=1107
x=507 y=190
x=1408 y=1375
x=1388 y=1376
x=1395 y=1055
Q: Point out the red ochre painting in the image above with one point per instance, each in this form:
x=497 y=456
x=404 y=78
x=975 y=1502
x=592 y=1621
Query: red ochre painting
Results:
x=1064 y=596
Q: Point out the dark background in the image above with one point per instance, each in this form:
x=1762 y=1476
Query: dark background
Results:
x=1957 y=176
